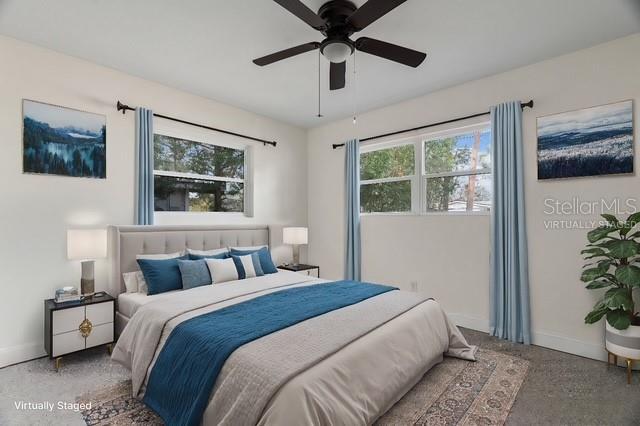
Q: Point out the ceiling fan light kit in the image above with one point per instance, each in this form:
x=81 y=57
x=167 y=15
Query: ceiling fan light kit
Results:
x=338 y=20
x=336 y=51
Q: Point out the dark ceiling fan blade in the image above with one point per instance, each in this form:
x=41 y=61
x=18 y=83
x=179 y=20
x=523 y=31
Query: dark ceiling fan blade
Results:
x=371 y=11
x=393 y=52
x=303 y=12
x=337 y=73
x=286 y=53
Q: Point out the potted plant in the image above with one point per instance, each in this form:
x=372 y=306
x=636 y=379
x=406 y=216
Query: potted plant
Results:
x=613 y=263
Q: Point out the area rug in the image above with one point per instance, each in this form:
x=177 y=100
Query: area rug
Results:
x=455 y=392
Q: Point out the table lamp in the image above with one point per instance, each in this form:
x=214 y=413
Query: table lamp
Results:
x=295 y=236
x=87 y=245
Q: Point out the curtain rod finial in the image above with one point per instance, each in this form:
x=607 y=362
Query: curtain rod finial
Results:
x=121 y=107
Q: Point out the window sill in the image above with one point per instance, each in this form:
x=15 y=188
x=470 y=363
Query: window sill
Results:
x=179 y=213
x=411 y=214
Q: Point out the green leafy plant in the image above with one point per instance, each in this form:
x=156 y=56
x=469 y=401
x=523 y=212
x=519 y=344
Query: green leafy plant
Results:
x=612 y=256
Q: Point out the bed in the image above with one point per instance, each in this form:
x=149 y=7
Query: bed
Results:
x=346 y=365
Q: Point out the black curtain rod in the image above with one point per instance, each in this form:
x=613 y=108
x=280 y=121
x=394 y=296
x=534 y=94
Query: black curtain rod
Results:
x=124 y=108
x=480 y=114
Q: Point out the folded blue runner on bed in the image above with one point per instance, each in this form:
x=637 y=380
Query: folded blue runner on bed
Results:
x=186 y=370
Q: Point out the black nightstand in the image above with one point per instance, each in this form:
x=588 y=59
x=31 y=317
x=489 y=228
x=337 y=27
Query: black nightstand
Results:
x=302 y=268
x=75 y=326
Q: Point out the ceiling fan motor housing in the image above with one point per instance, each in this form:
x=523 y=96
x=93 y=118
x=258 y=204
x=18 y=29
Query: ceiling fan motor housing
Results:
x=337 y=46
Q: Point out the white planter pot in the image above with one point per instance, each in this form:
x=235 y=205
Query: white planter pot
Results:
x=624 y=343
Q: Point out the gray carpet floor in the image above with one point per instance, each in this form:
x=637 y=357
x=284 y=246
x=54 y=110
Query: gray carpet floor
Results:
x=563 y=389
x=560 y=389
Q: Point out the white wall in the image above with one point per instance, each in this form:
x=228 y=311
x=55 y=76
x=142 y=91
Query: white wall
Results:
x=37 y=210
x=449 y=255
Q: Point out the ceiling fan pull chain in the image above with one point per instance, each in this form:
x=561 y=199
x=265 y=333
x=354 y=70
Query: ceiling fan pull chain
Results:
x=355 y=90
x=319 y=91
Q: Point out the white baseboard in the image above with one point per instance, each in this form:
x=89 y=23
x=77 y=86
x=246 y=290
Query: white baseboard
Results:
x=540 y=338
x=470 y=322
x=22 y=353
x=569 y=345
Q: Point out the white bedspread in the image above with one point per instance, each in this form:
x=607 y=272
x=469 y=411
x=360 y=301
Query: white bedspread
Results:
x=353 y=384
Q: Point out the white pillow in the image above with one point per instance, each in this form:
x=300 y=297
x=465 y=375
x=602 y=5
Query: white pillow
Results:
x=247 y=264
x=142 y=283
x=249 y=247
x=222 y=270
x=130 y=282
x=160 y=256
x=134 y=282
x=208 y=252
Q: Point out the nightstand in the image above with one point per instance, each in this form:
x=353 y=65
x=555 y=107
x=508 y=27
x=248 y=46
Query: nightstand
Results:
x=301 y=268
x=75 y=326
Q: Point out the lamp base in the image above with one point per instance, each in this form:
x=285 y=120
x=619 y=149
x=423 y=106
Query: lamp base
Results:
x=87 y=282
x=296 y=254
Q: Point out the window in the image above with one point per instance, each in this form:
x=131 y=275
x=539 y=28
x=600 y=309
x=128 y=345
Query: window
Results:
x=386 y=179
x=197 y=177
x=457 y=172
x=444 y=172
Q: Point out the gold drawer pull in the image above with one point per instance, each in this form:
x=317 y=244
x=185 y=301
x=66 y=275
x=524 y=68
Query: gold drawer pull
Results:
x=85 y=328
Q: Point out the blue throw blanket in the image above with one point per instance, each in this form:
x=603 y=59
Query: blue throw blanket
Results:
x=186 y=370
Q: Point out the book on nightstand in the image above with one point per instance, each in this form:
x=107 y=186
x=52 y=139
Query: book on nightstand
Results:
x=67 y=294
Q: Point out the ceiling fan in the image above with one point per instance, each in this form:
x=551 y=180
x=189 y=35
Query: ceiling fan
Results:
x=337 y=20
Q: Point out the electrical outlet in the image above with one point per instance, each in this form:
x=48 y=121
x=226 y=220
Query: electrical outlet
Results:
x=414 y=286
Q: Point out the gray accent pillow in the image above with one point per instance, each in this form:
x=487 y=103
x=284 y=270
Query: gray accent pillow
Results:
x=195 y=273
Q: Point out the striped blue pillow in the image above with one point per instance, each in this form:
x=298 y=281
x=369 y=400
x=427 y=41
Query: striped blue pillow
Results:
x=248 y=266
x=266 y=263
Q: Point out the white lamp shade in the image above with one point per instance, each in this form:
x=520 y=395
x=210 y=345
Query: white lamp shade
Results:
x=86 y=244
x=295 y=235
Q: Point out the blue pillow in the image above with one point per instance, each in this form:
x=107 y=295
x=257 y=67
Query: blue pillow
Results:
x=195 y=273
x=265 y=258
x=224 y=255
x=255 y=260
x=161 y=275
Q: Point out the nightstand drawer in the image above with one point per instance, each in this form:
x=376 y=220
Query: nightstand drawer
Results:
x=100 y=334
x=67 y=342
x=65 y=320
x=100 y=313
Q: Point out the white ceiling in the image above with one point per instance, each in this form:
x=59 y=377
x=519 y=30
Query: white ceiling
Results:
x=206 y=46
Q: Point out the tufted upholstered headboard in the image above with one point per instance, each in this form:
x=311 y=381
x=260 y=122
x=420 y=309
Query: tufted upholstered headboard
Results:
x=125 y=242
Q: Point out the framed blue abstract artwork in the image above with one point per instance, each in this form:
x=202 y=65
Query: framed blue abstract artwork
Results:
x=63 y=141
x=588 y=142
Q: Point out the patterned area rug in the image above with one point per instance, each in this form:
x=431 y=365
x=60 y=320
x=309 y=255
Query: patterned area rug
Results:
x=455 y=392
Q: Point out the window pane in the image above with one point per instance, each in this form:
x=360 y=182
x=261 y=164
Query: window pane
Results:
x=392 y=162
x=386 y=197
x=467 y=152
x=459 y=193
x=180 y=155
x=195 y=195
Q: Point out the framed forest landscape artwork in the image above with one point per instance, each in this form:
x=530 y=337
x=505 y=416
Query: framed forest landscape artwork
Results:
x=63 y=141
x=588 y=142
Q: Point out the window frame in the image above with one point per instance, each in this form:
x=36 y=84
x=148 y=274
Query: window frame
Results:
x=413 y=178
x=419 y=177
x=245 y=181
